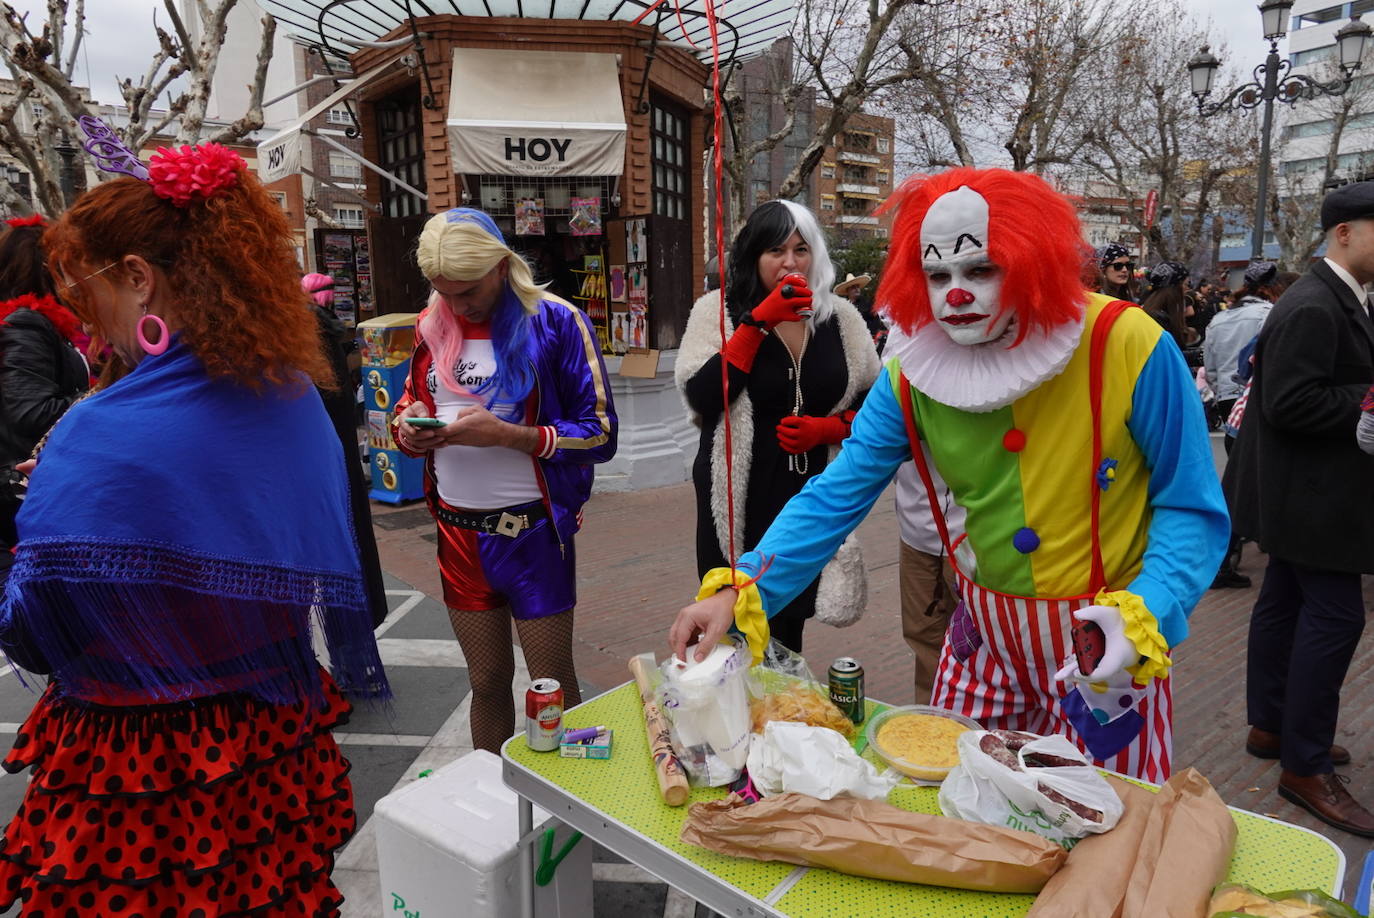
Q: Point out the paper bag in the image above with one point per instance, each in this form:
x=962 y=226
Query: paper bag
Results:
x=1185 y=850
x=1177 y=843
x=1093 y=880
x=869 y=838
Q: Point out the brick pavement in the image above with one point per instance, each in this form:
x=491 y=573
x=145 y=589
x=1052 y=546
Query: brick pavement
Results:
x=637 y=567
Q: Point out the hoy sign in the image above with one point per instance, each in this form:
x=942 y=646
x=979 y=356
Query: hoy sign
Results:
x=537 y=149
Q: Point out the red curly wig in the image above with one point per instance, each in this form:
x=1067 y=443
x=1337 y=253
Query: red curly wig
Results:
x=1033 y=235
x=230 y=268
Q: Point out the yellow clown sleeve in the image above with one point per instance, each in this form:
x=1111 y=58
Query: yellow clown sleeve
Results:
x=750 y=619
x=1142 y=630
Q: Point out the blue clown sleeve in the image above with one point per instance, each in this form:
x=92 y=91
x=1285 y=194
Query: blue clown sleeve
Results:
x=1189 y=524
x=809 y=530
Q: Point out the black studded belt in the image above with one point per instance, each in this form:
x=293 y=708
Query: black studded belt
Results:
x=509 y=522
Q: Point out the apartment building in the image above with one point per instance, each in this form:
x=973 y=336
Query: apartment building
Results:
x=855 y=176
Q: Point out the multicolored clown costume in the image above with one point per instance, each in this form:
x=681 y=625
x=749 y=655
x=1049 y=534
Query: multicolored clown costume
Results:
x=1068 y=427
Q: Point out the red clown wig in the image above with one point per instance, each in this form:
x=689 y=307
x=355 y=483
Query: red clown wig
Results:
x=1033 y=236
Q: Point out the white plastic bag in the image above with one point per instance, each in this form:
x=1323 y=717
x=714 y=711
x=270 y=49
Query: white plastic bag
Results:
x=1008 y=788
x=707 y=704
x=813 y=760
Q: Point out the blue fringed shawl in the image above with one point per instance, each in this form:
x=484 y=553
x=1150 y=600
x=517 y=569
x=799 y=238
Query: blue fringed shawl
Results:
x=177 y=534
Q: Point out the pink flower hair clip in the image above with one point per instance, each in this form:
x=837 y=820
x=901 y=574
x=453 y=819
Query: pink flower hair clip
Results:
x=194 y=173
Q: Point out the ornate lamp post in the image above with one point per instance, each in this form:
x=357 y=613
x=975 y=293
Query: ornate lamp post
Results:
x=1272 y=80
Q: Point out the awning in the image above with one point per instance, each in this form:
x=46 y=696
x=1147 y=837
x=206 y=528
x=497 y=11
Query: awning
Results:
x=279 y=156
x=519 y=112
x=746 y=27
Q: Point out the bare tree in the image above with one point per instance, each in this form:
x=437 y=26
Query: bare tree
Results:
x=1311 y=141
x=994 y=77
x=842 y=53
x=1143 y=132
x=42 y=64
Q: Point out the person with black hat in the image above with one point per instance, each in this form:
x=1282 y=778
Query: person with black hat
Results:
x=1116 y=273
x=1298 y=484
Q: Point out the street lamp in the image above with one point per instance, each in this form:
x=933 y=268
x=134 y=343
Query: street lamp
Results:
x=67 y=175
x=1272 y=80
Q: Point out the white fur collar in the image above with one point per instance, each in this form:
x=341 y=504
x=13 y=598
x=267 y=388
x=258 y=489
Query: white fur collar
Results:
x=983 y=377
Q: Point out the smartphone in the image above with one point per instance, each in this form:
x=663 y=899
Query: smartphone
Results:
x=425 y=422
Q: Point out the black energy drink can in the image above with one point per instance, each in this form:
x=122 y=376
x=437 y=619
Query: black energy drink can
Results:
x=847 y=688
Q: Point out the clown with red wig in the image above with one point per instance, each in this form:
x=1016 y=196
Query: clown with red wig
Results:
x=1068 y=427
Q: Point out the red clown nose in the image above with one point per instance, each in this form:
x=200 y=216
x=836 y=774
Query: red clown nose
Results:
x=959 y=297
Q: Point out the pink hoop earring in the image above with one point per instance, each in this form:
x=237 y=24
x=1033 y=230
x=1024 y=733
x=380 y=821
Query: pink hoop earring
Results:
x=164 y=336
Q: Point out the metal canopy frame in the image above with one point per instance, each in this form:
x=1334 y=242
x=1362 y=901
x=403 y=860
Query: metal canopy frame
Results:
x=746 y=27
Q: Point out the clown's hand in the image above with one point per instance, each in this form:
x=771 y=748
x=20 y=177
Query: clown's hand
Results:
x=1118 y=651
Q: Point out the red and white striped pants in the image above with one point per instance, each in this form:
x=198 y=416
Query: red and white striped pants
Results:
x=1008 y=683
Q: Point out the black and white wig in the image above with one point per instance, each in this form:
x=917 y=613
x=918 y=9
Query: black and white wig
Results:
x=771 y=224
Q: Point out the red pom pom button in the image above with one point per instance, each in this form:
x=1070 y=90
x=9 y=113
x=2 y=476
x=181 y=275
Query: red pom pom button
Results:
x=1013 y=441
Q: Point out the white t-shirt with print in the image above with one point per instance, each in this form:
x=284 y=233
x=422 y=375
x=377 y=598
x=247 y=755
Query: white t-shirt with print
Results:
x=477 y=477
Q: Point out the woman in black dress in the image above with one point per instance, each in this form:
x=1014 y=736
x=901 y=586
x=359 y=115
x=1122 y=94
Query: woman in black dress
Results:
x=794 y=384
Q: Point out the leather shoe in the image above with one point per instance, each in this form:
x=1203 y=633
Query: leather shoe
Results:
x=1265 y=745
x=1325 y=797
x=1230 y=580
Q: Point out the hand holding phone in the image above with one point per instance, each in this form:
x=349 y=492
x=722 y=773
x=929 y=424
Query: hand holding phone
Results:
x=430 y=423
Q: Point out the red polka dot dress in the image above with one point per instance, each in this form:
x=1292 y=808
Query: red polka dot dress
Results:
x=206 y=809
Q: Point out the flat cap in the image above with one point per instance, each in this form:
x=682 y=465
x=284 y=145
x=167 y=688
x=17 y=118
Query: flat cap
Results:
x=1348 y=202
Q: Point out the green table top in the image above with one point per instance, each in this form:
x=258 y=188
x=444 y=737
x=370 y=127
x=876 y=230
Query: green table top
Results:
x=1269 y=854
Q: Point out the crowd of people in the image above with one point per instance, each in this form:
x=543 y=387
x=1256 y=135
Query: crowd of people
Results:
x=1049 y=444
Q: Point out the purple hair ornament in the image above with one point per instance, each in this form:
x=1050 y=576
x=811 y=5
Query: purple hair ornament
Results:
x=108 y=150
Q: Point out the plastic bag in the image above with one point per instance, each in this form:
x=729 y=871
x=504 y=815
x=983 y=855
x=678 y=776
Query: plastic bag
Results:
x=707 y=704
x=782 y=689
x=1040 y=784
x=815 y=761
x=1232 y=899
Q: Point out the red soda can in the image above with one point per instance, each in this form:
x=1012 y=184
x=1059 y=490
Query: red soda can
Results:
x=543 y=715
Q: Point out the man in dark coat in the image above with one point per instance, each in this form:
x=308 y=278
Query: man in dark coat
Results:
x=1300 y=486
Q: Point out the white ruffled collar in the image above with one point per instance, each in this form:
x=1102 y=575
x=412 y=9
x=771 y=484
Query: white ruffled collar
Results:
x=983 y=377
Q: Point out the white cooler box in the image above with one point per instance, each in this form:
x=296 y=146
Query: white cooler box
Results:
x=446 y=846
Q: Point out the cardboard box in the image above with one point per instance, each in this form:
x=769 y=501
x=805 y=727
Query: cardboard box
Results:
x=596 y=747
x=640 y=362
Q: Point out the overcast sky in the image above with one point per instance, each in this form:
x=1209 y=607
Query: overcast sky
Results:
x=120 y=38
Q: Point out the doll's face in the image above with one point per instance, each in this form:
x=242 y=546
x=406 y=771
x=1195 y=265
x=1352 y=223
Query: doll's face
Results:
x=964 y=284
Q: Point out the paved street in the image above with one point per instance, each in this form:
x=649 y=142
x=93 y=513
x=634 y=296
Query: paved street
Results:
x=636 y=569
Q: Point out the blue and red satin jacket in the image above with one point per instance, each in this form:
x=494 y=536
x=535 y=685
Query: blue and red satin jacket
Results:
x=572 y=395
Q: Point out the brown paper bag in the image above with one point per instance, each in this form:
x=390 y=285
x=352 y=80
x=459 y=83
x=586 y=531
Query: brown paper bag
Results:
x=1093 y=880
x=1185 y=850
x=870 y=838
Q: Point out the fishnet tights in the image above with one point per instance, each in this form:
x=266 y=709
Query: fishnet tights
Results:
x=486 y=642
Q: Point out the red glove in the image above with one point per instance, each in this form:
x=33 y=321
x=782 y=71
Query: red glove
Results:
x=804 y=433
x=787 y=303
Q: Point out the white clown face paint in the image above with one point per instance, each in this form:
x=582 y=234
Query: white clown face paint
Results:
x=964 y=285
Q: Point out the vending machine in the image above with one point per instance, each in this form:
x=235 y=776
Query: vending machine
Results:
x=386 y=344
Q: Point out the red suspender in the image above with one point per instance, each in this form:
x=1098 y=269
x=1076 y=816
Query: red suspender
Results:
x=1101 y=329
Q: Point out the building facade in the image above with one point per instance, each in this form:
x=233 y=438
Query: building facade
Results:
x=855 y=176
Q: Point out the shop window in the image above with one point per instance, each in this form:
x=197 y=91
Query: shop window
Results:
x=827 y=170
x=671 y=186
x=400 y=150
x=349 y=217
x=884 y=145
x=342 y=166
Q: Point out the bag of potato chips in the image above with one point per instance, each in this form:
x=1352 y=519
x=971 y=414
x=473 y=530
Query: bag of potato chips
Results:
x=1232 y=900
